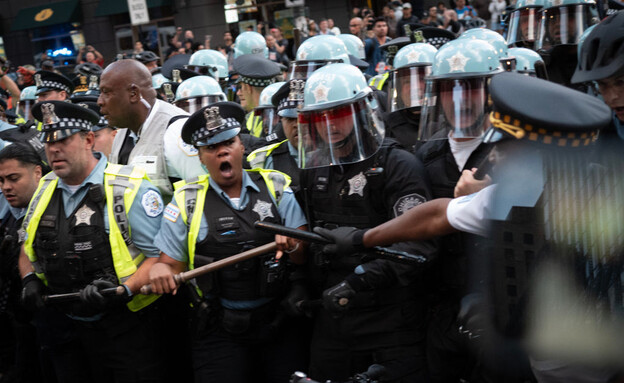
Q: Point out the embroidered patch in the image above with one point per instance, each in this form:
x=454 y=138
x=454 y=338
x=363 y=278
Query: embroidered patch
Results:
x=357 y=183
x=83 y=215
x=171 y=212
x=188 y=149
x=152 y=203
x=263 y=209
x=407 y=202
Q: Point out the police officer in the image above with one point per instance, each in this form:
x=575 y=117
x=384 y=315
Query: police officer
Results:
x=242 y=336
x=104 y=134
x=89 y=228
x=148 y=58
x=20 y=171
x=527 y=61
x=523 y=23
x=316 y=52
x=255 y=74
x=411 y=65
x=210 y=62
x=352 y=176
x=250 y=43
x=271 y=128
x=52 y=86
x=28 y=97
x=283 y=155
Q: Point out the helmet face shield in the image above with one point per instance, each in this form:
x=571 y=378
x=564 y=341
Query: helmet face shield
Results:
x=24 y=107
x=269 y=119
x=204 y=70
x=192 y=105
x=301 y=70
x=563 y=26
x=344 y=134
x=456 y=108
x=408 y=87
x=523 y=25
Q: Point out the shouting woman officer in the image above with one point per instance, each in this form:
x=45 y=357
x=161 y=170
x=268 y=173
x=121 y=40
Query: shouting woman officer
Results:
x=235 y=339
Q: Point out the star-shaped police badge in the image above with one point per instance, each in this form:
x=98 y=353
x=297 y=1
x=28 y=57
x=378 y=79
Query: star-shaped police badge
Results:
x=263 y=209
x=357 y=183
x=83 y=215
x=458 y=62
x=413 y=56
x=320 y=93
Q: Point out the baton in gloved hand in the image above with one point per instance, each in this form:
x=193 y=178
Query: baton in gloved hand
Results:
x=57 y=298
x=377 y=251
x=214 y=266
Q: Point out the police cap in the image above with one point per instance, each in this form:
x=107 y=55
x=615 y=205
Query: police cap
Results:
x=62 y=119
x=46 y=81
x=434 y=36
x=213 y=124
x=175 y=62
x=102 y=123
x=529 y=108
x=289 y=98
x=256 y=70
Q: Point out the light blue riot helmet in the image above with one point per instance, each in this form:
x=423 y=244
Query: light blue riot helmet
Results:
x=563 y=22
x=196 y=92
x=266 y=110
x=354 y=45
x=209 y=62
x=494 y=38
x=250 y=43
x=158 y=79
x=456 y=100
x=341 y=121
x=524 y=61
x=28 y=98
x=316 y=52
x=412 y=64
x=523 y=23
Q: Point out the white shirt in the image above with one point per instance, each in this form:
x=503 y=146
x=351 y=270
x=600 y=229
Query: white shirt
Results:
x=472 y=213
x=462 y=150
x=182 y=159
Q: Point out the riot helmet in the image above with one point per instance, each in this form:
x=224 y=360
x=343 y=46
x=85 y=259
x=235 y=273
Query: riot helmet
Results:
x=493 y=38
x=28 y=98
x=407 y=80
x=341 y=120
x=523 y=23
x=250 y=43
x=197 y=92
x=210 y=63
x=456 y=101
x=525 y=60
x=266 y=110
x=563 y=22
x=316 y=52
x=354 y=45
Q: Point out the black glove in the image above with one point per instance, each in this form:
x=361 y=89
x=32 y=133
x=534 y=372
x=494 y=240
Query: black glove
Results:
x=472 y=316
x=96 y=298
x=32 y=293
x=347 y=240
x=292 y=303
x=337 y=299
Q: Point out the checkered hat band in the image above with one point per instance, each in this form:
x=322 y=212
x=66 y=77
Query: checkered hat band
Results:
x=67 y=123
x=438 y=41
x=288 y=104
x=54 y=85
x=259 y=82
x=103 y=121
x=204 y=133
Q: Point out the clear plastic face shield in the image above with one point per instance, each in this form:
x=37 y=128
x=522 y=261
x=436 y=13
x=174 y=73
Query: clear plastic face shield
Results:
x=301 y=70
x=24 y=108
x=205 y=70
x=192 y=105
x=269 y=119
x=408 y=87
x=563 y=26
x=455 y=108
x=344 y=134
x=523 y=26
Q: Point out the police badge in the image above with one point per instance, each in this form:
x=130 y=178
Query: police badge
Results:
x=263 y=209
x=213 y=119
x=357 y=184
x=49 y=117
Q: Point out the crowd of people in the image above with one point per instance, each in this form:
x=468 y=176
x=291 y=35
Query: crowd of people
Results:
x=339 y=207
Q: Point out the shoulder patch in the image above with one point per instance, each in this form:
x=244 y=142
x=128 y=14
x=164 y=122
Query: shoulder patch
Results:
x=152 y=203
x=172 y=212
x=407 y=202
x=188 y=149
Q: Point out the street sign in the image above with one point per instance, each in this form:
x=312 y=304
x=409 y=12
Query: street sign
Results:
x=138 y=12
x=294 y=3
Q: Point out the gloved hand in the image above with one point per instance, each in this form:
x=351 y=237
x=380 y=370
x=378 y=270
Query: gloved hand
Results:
x=298 y=293
x=347 y=240
x=337 y=299
x=32 y=293
x=93 y=295
x=472 y=316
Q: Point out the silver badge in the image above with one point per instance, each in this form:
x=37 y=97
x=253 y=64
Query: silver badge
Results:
x=49 y=117
x=356 y=184
x=93 y=82
x=175 y=74
x=263 y=209
x=213 y=119
x=38 y=81
x=83 y=215
x=296 y=90
x=168 y=92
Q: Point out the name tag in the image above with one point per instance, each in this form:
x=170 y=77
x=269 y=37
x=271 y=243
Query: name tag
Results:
x=148 y=163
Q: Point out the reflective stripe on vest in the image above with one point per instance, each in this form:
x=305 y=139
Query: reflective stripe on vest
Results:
x=379 y=80
x=121 y=187
x=191 y=195
x=254 y=124
x=258 y=157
